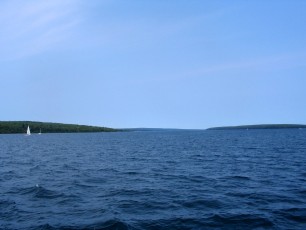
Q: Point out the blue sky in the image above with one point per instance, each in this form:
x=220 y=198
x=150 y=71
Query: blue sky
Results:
x=163 y=63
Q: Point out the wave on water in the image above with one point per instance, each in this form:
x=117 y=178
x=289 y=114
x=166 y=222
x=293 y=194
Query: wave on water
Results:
x=39 y=192
x=237 y=177
x=203 y=204
x=242 y=222
x=154 y=180
x=107 y=225
x=293 y=214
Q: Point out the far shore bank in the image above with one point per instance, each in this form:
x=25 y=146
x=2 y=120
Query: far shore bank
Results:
x=262 y=126
x=10 y=127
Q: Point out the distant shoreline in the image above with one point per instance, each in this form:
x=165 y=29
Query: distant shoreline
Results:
x=11 y=127
x=15 y=127
x=262 y=126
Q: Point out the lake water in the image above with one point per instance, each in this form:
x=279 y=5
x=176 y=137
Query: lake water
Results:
x=252 y=179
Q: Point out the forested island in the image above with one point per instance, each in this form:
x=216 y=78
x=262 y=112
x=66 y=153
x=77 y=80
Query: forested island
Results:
x=265 y=126
x=7 y=127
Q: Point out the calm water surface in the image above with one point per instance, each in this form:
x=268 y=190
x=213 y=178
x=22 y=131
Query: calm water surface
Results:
x=252 y=179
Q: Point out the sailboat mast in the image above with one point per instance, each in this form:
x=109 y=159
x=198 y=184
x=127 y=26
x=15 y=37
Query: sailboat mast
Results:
x=28 y=131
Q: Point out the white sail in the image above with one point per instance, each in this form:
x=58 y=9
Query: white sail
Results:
x=28 y=131
x=39 y=132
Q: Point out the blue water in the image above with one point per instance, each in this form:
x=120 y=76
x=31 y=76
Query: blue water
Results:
x=252 y=179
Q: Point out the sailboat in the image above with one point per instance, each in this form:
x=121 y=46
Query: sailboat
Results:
x=39 y=132
x=28 y=131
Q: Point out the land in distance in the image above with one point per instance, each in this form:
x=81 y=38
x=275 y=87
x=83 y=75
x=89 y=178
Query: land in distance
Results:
x=7 y=127
x=262 y=126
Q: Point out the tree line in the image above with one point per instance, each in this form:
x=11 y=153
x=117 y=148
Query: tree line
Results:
x=48 y=127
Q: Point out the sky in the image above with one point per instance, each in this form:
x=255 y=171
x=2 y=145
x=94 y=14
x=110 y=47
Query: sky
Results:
x=161 y=64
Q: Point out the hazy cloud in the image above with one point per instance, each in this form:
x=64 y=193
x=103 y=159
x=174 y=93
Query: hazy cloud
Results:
x=31 y=27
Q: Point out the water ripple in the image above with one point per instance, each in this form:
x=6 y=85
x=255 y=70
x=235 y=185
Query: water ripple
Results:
x=154 y=180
